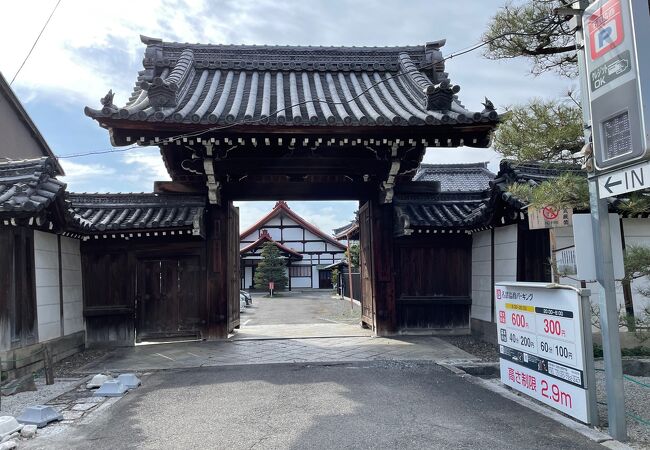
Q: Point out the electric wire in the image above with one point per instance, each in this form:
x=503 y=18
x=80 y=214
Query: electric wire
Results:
x=193 y=134
x=35 y=42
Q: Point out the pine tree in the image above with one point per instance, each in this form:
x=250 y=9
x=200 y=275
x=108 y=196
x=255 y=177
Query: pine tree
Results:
x=271 y=268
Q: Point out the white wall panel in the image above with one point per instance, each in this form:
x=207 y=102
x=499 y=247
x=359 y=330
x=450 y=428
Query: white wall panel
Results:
x=274 y=233
x=72 y=286
x=300 y=282
x=46 y=264
x=482 y=276
x=292 y=234
x=315 y=246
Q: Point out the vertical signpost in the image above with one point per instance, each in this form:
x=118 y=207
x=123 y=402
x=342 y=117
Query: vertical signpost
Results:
x=614 y=82
x=545 y=344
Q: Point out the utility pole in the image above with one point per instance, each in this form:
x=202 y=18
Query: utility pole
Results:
x=609 y=325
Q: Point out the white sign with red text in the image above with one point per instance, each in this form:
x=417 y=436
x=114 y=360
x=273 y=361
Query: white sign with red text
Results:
x=541 y=345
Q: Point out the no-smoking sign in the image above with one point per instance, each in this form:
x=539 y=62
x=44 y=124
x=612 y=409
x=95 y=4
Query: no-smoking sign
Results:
x=605 y=29
x=549 y=213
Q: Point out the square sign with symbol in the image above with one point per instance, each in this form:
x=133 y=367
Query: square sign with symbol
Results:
x=605 y=29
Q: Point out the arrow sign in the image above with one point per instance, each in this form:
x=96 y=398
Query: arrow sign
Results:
x=609 y=184
x=630 y=179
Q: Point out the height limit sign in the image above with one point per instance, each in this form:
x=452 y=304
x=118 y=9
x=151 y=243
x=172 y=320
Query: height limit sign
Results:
x=617 y=41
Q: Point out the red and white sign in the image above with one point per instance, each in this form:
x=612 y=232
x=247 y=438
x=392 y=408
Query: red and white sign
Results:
x=541 y=344
x=549 y=217
x=271 y=285
x=605 y=29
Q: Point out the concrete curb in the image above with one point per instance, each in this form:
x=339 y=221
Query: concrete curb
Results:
x=591 y=433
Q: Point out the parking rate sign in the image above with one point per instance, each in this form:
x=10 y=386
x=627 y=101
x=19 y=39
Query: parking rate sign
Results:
x=541 y=347
x=617 y=39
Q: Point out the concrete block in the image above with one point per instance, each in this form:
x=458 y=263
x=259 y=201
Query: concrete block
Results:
x=111 y=388
x=8 y=445
x=130 y=380
x=28 y=431
x=98 y=380
x=22 y=384
x=8 y=425
x=39 y=415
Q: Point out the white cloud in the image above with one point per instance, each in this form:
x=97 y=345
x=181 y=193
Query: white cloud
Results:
x=83 y=177
x=145 y=167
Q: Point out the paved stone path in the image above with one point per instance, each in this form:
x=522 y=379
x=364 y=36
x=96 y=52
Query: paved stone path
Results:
x=296 y=328
x=339 y=349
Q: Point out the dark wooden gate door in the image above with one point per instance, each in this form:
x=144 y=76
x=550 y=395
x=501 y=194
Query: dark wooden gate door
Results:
x=167 y=299
x=325 y=279
x=232 y=269
x=368 y=315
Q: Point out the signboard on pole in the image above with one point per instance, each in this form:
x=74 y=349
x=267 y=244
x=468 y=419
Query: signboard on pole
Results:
x=627 y=179
x=584 y=247
x=617 y=40
x=543 y=336
x=549 y=217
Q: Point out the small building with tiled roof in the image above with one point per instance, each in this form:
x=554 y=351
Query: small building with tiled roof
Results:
x=468 y=177
x=307 y=249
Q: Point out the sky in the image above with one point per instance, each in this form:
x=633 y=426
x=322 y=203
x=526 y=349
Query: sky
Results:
x=90 y=47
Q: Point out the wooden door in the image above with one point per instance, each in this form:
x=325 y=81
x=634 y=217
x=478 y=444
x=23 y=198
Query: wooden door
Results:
x=368 y=315
x=167 y=299
x=325 y=279
x=232 y=267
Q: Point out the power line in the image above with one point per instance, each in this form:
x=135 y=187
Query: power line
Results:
x=35 y=42
x=372 y=85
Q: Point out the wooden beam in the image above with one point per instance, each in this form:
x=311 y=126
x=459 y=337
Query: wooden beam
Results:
x=298 y=191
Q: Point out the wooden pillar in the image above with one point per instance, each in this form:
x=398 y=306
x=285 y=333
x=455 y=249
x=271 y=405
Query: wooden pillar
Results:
x=216 y=274
x=381 y=242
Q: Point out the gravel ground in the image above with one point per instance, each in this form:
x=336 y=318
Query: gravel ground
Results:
x=72 y=365
x=13 y=405
x=637 y=403
x=487 y=352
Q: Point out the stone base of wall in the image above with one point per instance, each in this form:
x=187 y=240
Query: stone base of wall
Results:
x=628 y=340
x=25 y=360
x=485 y=331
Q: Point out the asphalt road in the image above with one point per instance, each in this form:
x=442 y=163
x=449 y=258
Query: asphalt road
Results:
x=301 y=406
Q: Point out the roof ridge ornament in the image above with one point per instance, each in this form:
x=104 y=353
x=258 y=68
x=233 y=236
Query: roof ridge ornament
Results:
x=169 y=91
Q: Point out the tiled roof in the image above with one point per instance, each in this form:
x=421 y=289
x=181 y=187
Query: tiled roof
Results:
x=281 y=207
x=28 y=187
x=308 y=86
x=418 y=206
x=532 y=173
x=264 y=238
x=442 y=213
x=135 y=212
x=472 y=177
x=350 y=230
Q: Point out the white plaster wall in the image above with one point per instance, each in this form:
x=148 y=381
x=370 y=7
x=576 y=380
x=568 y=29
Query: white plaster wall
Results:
x=315 y=246
x=482 y=275
x=274 y=233
x=300 y=282
x=314 y=276
x=251 y=237
x=637 y=233
x=505 y=266
x=273 y=221
x=288 y=221
x=248 y=277
x=297 y=246
x=292 y=234
x=309 y=236
x=72 y=289
x=46 y=264
x=505 y=253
